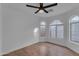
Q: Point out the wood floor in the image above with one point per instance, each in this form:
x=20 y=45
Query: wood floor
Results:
x=43 y=49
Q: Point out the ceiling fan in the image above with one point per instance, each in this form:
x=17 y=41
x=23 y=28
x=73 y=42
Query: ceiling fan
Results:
x=42 y=8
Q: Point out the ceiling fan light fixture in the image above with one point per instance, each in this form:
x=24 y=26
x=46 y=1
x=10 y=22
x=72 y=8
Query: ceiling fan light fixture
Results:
x=41 y=8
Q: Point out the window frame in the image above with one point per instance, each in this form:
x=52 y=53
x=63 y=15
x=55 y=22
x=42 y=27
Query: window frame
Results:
x=70 y=29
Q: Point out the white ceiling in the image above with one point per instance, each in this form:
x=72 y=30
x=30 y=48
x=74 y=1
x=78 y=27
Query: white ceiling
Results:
x=53 y=11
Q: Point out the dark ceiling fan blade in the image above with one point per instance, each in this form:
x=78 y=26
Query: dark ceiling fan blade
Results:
x=45 y=11
x=32 y=6
x=37 y=11
x=50 y=5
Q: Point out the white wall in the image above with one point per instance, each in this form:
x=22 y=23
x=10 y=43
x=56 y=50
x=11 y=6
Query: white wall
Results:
x=65 y=19
x=17 y=29
x=0 y=29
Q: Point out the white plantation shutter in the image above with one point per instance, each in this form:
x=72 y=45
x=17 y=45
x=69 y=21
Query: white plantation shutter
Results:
x=56 y=30
x=74 y=29
x=53 y=31
x=43 y=29
x=75 y=32
x=60 y=31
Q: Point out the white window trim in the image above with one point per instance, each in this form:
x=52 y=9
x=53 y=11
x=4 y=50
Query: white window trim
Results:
x=70 y=31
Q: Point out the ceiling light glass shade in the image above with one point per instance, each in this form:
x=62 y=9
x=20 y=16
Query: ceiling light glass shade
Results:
x=41 y=11
x=36 y=30
x=43 y=23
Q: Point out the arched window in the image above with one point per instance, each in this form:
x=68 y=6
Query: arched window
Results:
x=42 y=29
x=56 y=29
x=74 y=28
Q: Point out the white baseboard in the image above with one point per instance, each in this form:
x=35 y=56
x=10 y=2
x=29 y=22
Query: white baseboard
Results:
x=25 y=45
x=73 y=49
